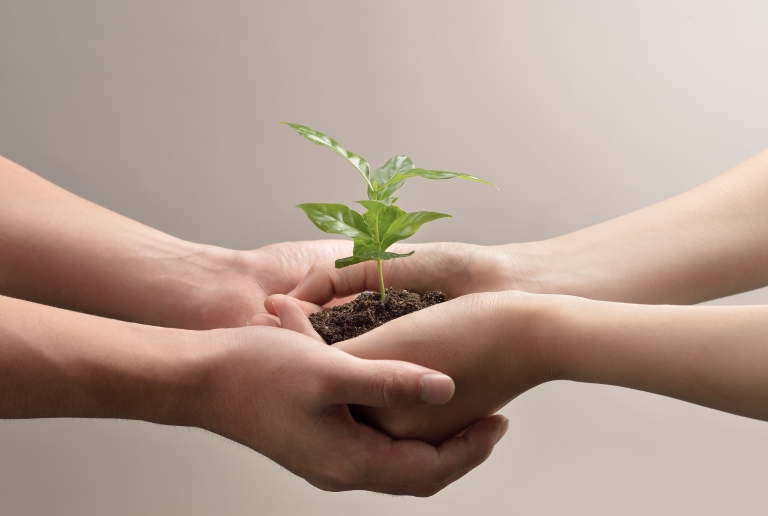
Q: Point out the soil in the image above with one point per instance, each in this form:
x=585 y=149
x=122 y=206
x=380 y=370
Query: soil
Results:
x=367 y=312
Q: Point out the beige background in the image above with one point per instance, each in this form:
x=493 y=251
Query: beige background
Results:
x=580 y=111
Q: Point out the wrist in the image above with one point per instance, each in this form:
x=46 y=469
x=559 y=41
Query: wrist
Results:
x=569 y=331
x=526 y=337
x=548 y=325
x=535 y=267
x=159 y=376
x=59 y=363
x=208 y=285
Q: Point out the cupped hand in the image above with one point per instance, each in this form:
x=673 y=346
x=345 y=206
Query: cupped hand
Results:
x=240 y=281
x=454 y=268
x=287 y=396
x=489 y=344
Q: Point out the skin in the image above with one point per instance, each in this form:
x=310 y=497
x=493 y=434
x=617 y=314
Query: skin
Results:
x=278 y=392
x=712 y=356
x=704 y=244
x=62 y=250
x=484 y=382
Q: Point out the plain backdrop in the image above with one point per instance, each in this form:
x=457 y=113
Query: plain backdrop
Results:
x=168 y=111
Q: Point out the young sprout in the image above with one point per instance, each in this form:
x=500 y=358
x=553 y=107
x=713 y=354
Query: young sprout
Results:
x=383 y=223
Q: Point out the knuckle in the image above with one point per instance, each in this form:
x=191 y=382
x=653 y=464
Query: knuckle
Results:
x=319 y=267
x=395 y=388
x=329 y=275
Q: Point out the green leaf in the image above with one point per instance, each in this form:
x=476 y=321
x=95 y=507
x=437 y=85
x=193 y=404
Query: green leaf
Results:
x=319 y=138
x=386 y=192
x=379 y=217
x=363 y=246
x=382 y=175
x=364 y=257
x=338 y=219
x=406 y=225
x=436 y=174
x=374 y=204
x=350 y=260
x=385 y=202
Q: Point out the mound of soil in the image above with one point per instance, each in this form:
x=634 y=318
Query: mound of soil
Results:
x=366 y=312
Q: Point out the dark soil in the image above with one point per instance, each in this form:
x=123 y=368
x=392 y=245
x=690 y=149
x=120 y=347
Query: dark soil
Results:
x=366 y=312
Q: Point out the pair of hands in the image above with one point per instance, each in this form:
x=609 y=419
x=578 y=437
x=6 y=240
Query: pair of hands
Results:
x=296 y=409
x=703 y=244
x=279 y=392
x=488 y=369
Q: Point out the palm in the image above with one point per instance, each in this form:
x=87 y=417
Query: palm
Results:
x=456 y=269
x=255 y=275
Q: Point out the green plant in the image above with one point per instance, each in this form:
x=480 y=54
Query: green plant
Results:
x=383 y=223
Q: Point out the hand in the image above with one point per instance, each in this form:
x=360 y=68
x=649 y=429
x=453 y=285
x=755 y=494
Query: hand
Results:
x=61 y=250
x=278 y=392
x=454 y=268
x=490 y=367
x=236 y=283
x=286 y=396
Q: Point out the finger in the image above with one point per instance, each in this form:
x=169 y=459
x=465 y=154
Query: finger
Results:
x=306 y=307
x=451 y=460
x=476 y=442
x=386 y=384
x=324 y=282
x=410 y=467
x=291 y=316
x=264 y=320
x=390 y=489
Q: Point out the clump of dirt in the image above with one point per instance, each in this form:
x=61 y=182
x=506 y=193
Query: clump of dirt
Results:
x=367 y=312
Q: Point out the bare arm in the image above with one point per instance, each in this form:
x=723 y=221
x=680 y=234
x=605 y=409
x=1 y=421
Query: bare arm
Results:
x=498 y=345
x=706 y=243
x=59 y=249
x=712 y=356
x=278 y=392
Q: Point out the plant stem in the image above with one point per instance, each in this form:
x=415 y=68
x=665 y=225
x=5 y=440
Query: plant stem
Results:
x=381 y=281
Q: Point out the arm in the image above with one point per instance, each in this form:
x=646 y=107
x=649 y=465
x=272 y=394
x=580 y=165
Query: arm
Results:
x=712 y=356
x=59 y=249
x=706 y=243
x=277 y=392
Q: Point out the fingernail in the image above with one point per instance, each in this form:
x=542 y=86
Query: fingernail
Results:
x=436 y=388
x=502 y=430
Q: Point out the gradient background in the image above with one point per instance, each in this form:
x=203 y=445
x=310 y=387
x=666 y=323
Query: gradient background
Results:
x=579 y=111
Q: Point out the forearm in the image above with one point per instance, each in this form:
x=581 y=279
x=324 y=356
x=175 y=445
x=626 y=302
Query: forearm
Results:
x=712 y=356
x=57 y=363
x=59 y=249
x=704 y=244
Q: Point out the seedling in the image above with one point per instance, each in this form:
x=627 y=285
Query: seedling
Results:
x=383 y=223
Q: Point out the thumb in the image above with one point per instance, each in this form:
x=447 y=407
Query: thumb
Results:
x=324 y=282
x=388 y=384
x=292 y=316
